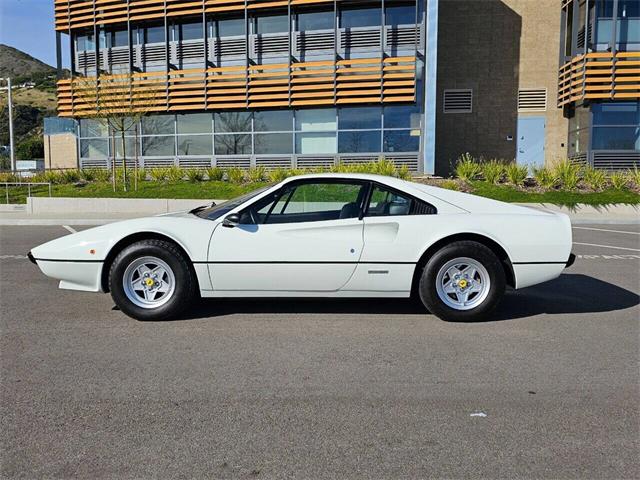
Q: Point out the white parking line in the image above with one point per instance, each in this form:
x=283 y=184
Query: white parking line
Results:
x=607 y=246
x=605 y=230
x=68 y=228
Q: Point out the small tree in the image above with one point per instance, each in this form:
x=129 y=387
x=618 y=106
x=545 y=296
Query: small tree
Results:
x=118 y=102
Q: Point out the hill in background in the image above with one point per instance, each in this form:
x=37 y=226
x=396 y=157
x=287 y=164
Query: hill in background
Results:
x=17 y=64
x=31 y=105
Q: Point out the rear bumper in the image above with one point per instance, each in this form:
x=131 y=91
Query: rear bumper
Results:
x=571 y=261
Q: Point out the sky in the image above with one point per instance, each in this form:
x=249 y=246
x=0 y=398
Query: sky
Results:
x=28 y=26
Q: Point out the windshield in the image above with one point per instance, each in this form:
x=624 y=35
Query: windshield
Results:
x=216 y=211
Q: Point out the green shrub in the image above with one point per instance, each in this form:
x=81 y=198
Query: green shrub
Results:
x=88 y=174
x=404 y=173
x=544 y=177
x=594 y=179
x=141 y=173
x=618 y=180
x=53 y=176
x=195 y=175
x=450 y=184
x=175 y=173
x=467 y=169
x=30 y=148
x=159 y=174
x=381 y=167
x=277 y=175
x=257 y=174
x=567 y=173
x=633 y=175
x=235 y=175
x=215 y=174
x=493 y=171
x=516 y=174
x=70 y=176
x=10 y=177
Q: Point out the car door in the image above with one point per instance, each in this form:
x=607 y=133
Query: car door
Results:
x=394 y=235
x=306 y=237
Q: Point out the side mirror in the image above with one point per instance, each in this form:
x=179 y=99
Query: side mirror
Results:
x=231 y=221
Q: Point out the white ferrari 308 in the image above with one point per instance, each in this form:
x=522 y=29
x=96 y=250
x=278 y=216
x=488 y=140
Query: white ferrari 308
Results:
x=324 y=235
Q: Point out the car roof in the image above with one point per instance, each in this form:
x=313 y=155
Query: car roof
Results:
x=391 y=181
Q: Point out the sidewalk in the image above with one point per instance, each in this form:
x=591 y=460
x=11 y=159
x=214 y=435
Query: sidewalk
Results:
x=581 y=214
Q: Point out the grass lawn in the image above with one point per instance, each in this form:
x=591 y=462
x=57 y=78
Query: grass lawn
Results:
x=224 y=190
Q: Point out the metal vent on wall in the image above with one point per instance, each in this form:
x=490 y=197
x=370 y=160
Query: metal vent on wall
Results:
x=228 y=47
x=458 y=101
x=352 y=38
x=322 y=40
x=616 y=160
x=263 y=44
x=271 y=163
x=228 y=162
x=315 y=162
x=532 y=100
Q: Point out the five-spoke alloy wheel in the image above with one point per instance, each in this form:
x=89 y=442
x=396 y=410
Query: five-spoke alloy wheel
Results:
x=463 y=281
x=151 y=280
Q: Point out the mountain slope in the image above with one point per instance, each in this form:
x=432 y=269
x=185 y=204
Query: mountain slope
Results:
x=17 y=64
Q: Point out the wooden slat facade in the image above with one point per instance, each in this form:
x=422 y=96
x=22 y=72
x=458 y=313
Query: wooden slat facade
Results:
x=600 y=76
x=75 y=14
x=258 y=86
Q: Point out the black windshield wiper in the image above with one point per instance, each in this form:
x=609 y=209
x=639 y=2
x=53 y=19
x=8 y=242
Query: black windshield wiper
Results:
x=202 y=207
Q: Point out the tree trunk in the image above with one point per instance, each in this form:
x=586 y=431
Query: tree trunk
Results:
x=124 y=160
x=113 y=160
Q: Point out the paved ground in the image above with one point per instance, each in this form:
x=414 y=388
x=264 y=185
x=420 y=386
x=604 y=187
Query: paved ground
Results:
x=325 y=389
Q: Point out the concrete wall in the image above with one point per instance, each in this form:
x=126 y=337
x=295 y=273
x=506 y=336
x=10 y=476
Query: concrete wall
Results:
x=496 y=47
x=61 y=151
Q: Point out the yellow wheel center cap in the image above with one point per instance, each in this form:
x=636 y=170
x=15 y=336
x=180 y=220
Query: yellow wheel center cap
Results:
x=462 y=283
x=149 y=282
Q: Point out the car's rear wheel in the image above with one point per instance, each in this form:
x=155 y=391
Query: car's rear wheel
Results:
x=151 y=280
x=463 y=281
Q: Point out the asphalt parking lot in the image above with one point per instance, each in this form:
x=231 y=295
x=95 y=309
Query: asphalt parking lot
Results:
x=325 y=389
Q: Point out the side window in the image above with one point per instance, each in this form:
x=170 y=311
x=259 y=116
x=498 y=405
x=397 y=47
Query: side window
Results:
x=311 y=202
x=385 y=203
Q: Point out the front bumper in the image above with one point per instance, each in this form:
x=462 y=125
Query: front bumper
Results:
x=571 y=261
x=31 y=258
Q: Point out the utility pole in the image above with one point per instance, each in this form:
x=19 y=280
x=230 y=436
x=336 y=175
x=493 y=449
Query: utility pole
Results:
x=11 y=144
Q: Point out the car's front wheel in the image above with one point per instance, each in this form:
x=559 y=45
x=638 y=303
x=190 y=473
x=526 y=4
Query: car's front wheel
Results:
x=463 y=281
x=151 y=280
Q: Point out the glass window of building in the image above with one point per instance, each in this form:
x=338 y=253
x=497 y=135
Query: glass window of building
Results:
x=616 y=113
x=94 y=148
x=395 y=15
x=273 y=143
x=360 y=17
x=628 y=8
x=316 y=120
x=159 y=146
x=362 y=141
x=604 y=8
x=191 y=31
x=273 y=121
x=359 y=118
x=158 y=125
x=232 y=122
x=272 y=24
x=154 y=34
x=194 y=123
x=85 y=43
x=230 y=27
x=401 y=141
x=92 y=128
x=195 y=145
x=130 y=146
x=233 y=144
x=616 y=138
x=402 y=116
x=316 y=143
x=120 y=39
x=315 y=21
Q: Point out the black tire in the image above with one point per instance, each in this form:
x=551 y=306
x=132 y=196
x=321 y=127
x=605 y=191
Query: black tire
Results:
x=185 y=283
x=428 y=292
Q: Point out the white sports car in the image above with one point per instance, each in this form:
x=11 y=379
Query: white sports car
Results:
x=325 y=235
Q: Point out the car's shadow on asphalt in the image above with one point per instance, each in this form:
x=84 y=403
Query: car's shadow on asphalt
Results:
x=570 y=293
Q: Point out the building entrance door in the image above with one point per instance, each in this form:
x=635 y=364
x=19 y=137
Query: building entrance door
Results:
x=530 y=147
